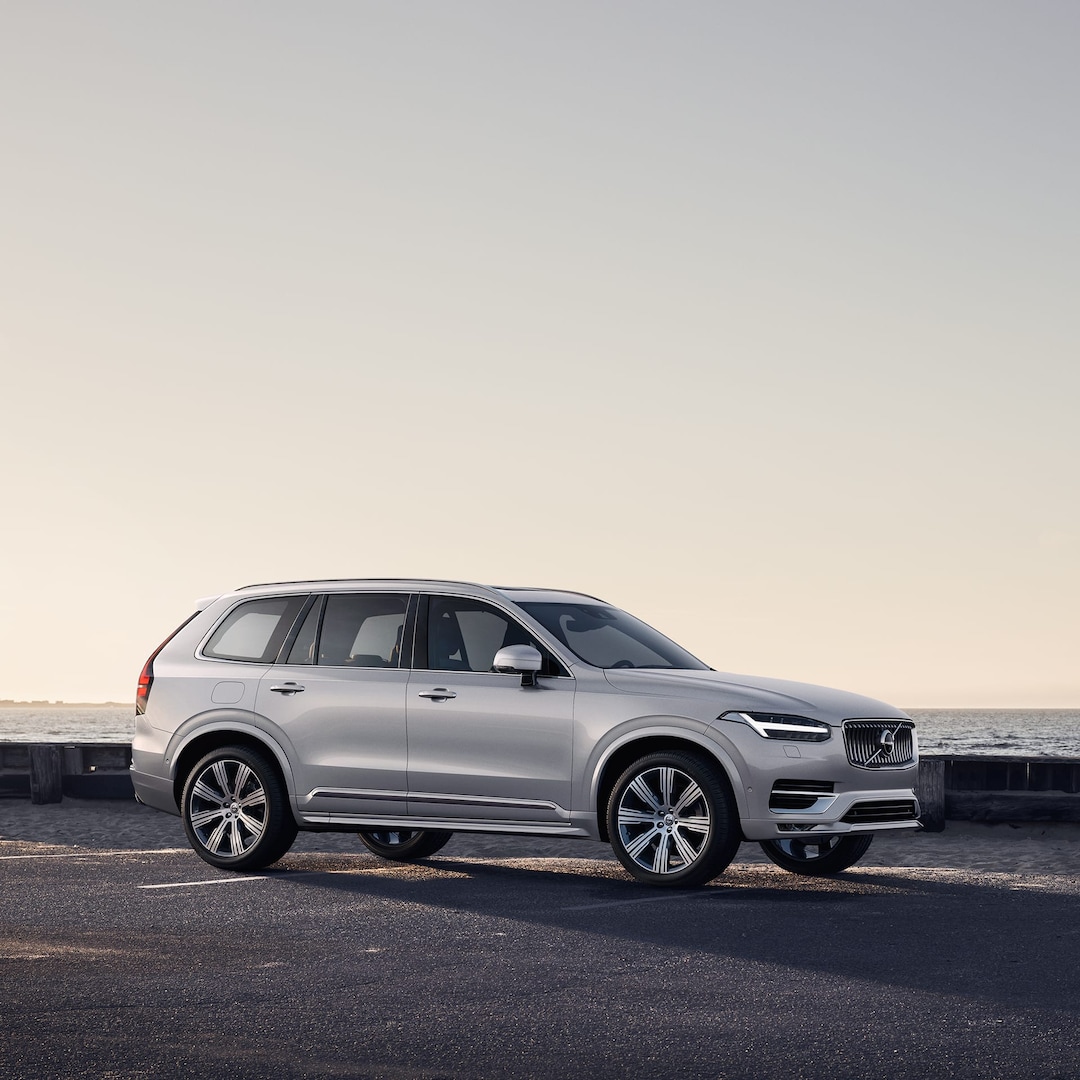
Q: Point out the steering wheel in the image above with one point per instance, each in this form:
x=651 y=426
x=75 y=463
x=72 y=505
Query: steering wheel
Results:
x=623 y=663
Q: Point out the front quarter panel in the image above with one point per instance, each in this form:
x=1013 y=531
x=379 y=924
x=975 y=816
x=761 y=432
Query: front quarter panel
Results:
x=669 y=728
x=607 y=721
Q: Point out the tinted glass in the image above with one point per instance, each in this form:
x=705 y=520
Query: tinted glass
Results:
x=607 y=637
x=465 y=635
x=254 y=631
x=362 y=630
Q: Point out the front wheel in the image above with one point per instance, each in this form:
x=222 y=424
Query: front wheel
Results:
x=401 y=845
x=672 y=819
x=819 y=856
x=236 y=811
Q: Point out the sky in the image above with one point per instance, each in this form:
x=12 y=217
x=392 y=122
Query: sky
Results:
x=757 y=320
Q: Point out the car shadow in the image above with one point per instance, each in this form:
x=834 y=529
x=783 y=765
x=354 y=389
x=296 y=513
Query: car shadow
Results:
x=1001 y=939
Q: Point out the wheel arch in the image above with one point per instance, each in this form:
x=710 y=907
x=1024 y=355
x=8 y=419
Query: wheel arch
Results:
x=200 y=743
x=622 y=754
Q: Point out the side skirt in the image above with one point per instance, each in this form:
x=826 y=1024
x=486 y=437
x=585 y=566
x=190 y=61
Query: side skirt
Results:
x=355 y=822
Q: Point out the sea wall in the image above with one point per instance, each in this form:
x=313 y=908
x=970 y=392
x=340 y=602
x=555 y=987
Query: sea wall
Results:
x=949 y=788
x=997 y=788
x=46 y=772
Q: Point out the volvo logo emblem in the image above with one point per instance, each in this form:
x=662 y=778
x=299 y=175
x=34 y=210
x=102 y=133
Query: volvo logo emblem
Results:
x=887 y=741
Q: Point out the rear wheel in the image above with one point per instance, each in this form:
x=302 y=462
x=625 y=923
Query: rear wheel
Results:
x=818 y=856
x=403 y=845
x=235 y=810
x=672 y=820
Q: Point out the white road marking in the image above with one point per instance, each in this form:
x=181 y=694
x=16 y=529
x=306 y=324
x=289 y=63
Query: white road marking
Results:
x=649 y=899
x=98 y=854
x=212 y=881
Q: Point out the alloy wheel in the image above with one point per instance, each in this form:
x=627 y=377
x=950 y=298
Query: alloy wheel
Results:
x=228 y=808
x=664 y=820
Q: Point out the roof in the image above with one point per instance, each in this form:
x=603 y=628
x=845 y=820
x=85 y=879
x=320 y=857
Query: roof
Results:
x=518 y=594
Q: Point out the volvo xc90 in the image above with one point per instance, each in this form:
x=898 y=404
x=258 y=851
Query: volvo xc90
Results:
x=408 y=710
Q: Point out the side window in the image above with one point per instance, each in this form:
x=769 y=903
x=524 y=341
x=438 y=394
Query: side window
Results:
x=362 y=630
x=303 y=648
x=465 y=635
x=253 y=631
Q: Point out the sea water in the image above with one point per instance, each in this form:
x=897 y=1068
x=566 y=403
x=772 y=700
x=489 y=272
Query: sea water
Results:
x=67 y=723
x=1019 y=732
x=1013 y=732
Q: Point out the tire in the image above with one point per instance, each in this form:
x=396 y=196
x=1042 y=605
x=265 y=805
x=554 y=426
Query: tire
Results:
x=821 y=857
x=672 y=820
x=402 y=845
x=235 y=809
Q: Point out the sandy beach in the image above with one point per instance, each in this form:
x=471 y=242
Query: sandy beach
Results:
x=91 y=824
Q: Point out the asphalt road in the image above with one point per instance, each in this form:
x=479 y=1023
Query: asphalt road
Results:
x=150 y=964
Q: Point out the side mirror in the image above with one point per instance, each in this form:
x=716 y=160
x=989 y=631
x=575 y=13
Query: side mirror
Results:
x=521 y=660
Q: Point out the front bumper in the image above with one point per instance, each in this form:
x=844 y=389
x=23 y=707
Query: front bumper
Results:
x=820 y=787
x=878 y=810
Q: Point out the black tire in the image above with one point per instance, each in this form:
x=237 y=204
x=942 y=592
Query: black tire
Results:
x=818 y=857
x=236 y=811
x=403 y=845
x=672 y=819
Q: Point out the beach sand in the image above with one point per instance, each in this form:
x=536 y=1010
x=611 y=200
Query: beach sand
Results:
x=113 y=825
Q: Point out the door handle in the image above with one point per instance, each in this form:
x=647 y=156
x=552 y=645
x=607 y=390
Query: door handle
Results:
x=286 y=688
x=440 y=693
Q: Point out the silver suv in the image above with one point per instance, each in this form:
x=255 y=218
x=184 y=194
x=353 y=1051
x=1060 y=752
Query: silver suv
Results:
x=408 y=710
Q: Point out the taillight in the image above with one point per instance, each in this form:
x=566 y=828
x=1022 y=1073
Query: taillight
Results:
x=142 y=691
x=146 y=678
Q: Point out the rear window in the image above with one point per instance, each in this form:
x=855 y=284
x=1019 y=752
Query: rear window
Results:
x=253 y=631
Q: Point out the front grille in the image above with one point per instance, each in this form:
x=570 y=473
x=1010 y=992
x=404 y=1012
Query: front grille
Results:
x=798 y=794
x=863 y=813
x=880 y=744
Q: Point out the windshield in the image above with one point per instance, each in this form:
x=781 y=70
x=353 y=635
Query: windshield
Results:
x=609 y=638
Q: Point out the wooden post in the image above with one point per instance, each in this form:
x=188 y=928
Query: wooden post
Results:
x=46 y=775
x=930 y=790
x=73 y=761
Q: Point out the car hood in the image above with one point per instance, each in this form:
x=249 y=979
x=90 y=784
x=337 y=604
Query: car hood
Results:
x=751 y=693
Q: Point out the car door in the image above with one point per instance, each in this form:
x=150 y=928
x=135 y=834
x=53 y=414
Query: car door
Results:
x=337 y=706
x=481 y=745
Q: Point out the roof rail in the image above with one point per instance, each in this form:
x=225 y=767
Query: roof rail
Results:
x=535 y=588
x=338 y=581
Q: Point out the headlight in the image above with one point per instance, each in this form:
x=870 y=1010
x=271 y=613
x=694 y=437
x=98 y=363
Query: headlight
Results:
x=782 y=726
